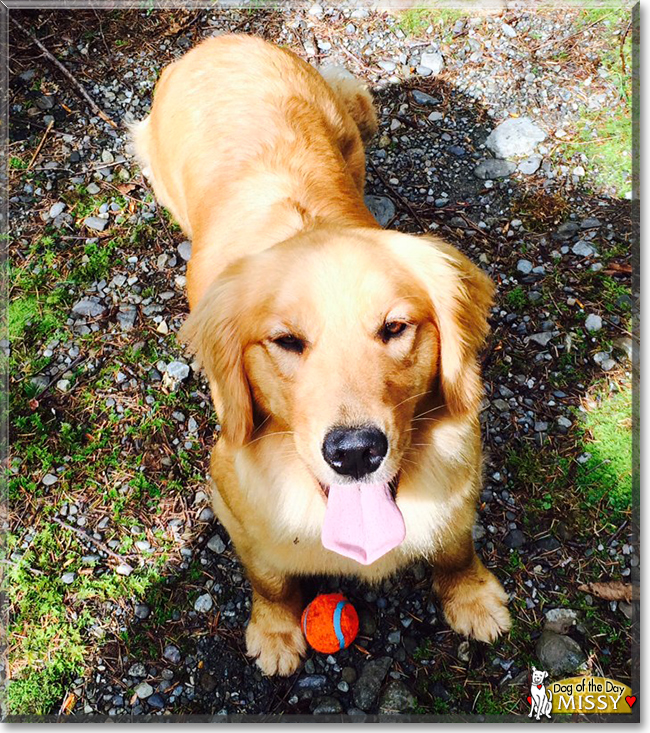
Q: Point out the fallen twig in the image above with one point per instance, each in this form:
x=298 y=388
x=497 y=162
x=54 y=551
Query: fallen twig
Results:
x=89 y=538
x=40 y=145
x=405 y=203
x=80 y=89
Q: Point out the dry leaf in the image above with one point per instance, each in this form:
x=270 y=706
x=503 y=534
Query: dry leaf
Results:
x=614 y=591
x=68 y=704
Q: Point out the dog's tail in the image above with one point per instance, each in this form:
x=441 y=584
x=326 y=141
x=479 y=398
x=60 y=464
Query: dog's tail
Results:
x=355 y=96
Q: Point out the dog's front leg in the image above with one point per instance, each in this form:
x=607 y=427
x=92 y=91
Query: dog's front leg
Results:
x=274 y=636
x=473 y=601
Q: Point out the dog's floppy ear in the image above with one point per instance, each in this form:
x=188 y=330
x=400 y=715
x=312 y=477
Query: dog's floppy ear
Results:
x=461 y=295
x=545 y=675
x=214 y=332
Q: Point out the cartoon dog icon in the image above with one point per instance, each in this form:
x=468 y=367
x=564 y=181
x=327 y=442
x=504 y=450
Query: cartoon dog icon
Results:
x=540 y=704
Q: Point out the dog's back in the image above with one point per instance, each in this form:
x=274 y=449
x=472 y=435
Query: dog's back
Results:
x=216 y=133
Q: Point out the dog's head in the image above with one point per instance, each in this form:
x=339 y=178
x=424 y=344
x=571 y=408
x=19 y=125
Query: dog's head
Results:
x=538 y=676
x=339 y=336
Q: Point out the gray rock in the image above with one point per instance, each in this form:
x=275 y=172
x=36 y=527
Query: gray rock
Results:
x=124 y=569
x=463 y=651
x=49 y=479
x=558 y=654
x=435 y=116
x=216 y=544
x=564 y=422
x=178 y=370
x=63 y=385
x=137 y=670
x=389 y=66
x=56 y=209
x=45 y=102
x=68 y=578
x=93 y=188
x=396 y=698
x=582 y=249
x=172 y=654
x=515 y=138
x=126 y=317
x=541 y=426
x=456 y=150
x=525 y=266
x=567 y=230
x=381 y=207
x=560 y=620
x=88 y=308
x=590 y=223
x=327 y=705
x=423 y=98
x=206 y=515
x=478 y=532
x=142 y=611
x=604 y=361
x=157 y=701
x=514 y=539
x=500 y=405
x=423 y=70
x=203 y=603
x=593 y=322
x=311 y=682
x=144 y=690
x=494 y=168
x=366 y=688
x=394 y=637
x=185 y=250
x=530 y=165
x=96 y=223
x=433 y=60
x=508 y=30
x=547 y=544
x=541 y=338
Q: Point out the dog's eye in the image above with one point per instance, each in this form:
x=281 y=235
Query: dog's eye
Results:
x=392 y=329
x=289 y=342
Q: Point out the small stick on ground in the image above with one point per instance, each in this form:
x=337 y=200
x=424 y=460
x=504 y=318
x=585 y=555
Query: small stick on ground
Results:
x=405 y=203
x=79 y=88
x=40 y=145
x=89 y=538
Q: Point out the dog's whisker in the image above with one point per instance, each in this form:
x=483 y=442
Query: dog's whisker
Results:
x=433 y=409
x=262 y=424
x=412 y=397
x=268 y=435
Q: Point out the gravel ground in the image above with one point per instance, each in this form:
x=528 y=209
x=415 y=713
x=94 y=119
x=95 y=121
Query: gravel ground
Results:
x=474 y=117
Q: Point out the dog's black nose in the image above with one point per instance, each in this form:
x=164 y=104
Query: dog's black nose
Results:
x=355 y=451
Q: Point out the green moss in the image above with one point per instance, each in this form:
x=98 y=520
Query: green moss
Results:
x=607 y=476
x=516 y=298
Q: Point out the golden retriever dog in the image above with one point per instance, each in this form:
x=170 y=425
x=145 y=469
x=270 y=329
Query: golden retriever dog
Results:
x=342 y=358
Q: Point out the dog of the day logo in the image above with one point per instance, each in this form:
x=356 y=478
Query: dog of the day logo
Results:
x=577 y=695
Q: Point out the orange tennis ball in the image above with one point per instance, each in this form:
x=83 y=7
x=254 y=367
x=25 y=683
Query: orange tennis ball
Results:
x=330 y=623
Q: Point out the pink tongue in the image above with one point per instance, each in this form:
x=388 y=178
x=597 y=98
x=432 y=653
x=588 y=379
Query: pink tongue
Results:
x=362 y=522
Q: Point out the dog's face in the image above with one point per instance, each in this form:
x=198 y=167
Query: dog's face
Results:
x=339 y=337
x=538 y=676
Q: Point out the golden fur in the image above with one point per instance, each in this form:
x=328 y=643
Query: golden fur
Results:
x=260 y=159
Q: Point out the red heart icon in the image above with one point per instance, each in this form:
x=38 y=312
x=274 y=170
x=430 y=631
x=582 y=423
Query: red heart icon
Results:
x=530 y=700
x=630 y=700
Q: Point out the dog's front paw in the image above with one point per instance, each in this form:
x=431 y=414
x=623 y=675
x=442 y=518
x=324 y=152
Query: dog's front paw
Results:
x=478 y=607
x=277 y=643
